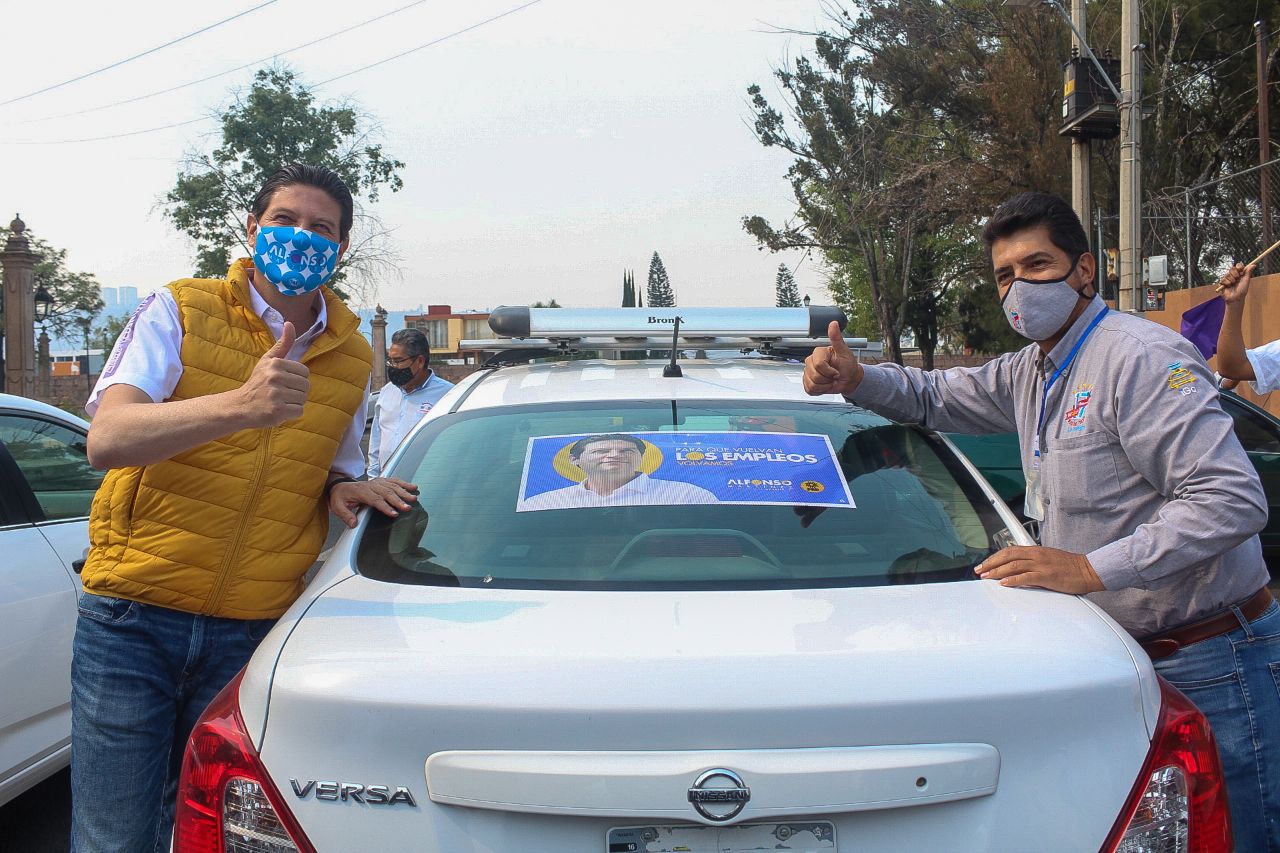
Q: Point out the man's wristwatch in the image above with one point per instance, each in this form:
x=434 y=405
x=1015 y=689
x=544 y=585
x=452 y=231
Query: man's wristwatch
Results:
x=328 y=489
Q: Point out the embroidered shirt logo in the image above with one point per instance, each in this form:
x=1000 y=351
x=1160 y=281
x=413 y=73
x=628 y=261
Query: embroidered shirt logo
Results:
x=1080 y=398
x=1181 y=380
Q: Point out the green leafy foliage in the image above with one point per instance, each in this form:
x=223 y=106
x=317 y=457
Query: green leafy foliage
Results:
x=786 y=294
x=77 y=296
x=661 y=295
x=109 y=332
x=278 y=122
x=628 y=289
x=980 y=322
x=910 y=120
x=896 y=141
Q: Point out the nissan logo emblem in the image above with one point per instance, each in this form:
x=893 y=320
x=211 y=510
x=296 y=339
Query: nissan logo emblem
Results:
x=719 y=794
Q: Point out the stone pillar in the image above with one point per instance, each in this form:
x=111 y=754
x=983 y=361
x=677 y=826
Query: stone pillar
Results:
x=379 y=326
x=19 y=312
x=45 y=366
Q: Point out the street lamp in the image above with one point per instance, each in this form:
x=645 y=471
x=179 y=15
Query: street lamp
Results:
x=86 y=323
x=806 y=300
x=44 y=304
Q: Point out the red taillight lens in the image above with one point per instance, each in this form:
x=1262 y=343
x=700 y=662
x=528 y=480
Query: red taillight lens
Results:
x=226 y=801
x=1179 y=803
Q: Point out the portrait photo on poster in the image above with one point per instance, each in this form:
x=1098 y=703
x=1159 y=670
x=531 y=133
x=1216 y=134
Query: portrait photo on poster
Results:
x=681 y=468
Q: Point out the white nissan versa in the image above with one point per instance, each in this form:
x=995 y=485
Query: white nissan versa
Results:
x=46 y=487
x=763 y=634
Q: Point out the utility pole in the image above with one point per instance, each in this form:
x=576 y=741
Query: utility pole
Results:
x=1130 y=158
x=1264 y=140
x=1081 y=148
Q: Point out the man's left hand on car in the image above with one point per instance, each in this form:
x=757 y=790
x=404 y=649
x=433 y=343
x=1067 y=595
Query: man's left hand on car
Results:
x=388 y=495
x=1047 y=568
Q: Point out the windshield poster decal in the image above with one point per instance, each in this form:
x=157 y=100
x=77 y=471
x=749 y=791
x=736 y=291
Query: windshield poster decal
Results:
x=678 y=468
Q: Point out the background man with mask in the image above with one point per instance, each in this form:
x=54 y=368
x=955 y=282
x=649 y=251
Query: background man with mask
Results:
x=1147 y=502
x=230 y=438
x=413 y=390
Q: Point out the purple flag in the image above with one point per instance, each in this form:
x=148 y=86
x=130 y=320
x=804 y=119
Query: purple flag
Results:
x=1201 y=325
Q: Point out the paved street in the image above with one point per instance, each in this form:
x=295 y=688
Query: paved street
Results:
x=38 y=821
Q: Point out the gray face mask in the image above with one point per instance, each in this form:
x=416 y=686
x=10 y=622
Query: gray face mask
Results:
x=1038 y=309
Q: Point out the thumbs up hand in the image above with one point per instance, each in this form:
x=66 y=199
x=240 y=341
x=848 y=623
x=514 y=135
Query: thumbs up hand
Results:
x=832 y=369
x=277 y=389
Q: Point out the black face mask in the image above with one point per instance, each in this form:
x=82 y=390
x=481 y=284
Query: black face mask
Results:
x=399 y=376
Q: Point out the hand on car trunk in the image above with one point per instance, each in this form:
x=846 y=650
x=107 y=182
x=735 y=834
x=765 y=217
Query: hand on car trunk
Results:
x=1047 y=568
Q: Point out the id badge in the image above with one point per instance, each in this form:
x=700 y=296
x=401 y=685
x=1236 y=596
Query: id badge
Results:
x=1032 y=502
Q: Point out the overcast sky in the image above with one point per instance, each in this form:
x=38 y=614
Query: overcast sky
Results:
x=545 y=152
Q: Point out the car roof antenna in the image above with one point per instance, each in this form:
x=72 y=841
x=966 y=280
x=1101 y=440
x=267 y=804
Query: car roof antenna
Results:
x=673 y=369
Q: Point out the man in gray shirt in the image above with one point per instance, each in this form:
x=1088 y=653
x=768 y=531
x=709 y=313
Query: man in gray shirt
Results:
x=1146 y=499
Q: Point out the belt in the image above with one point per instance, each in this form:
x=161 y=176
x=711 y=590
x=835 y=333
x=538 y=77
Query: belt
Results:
x=1167 y=642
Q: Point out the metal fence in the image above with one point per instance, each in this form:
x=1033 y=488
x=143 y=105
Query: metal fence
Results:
x=1204 y=229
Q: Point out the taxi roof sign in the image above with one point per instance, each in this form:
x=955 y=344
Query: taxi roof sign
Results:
x=565 y=324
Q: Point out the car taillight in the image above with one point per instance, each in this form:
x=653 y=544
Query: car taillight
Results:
x=1179 y=803
x=226 y=801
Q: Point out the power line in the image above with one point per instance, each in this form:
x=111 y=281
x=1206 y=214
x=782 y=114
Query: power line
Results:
x=432 y=42
x=1206 y=70
x=113 y=135
x=435 y=41
x=255 y=62
x=147 y=52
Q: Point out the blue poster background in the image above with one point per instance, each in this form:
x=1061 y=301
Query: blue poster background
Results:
x=786 y=469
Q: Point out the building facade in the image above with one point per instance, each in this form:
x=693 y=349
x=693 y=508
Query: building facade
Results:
x=446 y=329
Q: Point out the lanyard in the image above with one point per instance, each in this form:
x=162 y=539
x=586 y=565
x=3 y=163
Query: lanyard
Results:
x=1066 y=362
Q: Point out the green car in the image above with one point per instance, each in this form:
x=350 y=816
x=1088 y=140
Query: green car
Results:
x=999 y=460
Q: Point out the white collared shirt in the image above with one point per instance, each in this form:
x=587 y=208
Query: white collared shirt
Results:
x=148 y=356
x=642 y=491
x=1265 y=361
x=396 y=412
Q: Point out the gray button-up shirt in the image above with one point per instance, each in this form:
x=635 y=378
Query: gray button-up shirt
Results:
x=1141 y=470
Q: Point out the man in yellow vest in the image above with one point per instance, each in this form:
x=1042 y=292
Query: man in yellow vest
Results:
x=230 y=436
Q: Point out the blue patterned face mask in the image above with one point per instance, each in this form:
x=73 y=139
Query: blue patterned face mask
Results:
x=295 y=260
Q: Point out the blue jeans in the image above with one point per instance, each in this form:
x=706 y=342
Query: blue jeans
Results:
x=1235 y=680
x=141 y=676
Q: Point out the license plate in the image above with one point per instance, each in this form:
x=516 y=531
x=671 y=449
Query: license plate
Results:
x=801 y=837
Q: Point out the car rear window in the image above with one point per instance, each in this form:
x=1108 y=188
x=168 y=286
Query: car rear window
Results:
x=917 y=517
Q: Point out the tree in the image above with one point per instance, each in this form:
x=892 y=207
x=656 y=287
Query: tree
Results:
x=899 y=100
x=276 y=123
x=980 y=322
x=862 y=189
x=628 y=289
x=847 y=285
x=109 y=332
x=550 y=303
x=76 y=295
x=660 y=293
x=785 y=290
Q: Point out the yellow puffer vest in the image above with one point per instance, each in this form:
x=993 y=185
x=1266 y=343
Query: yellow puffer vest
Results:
x=230 y=527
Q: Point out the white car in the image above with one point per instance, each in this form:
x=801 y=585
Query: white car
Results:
x=788 y=665
x=46 y=487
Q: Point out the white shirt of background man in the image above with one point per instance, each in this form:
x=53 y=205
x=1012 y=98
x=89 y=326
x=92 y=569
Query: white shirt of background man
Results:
x=1265 y=361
